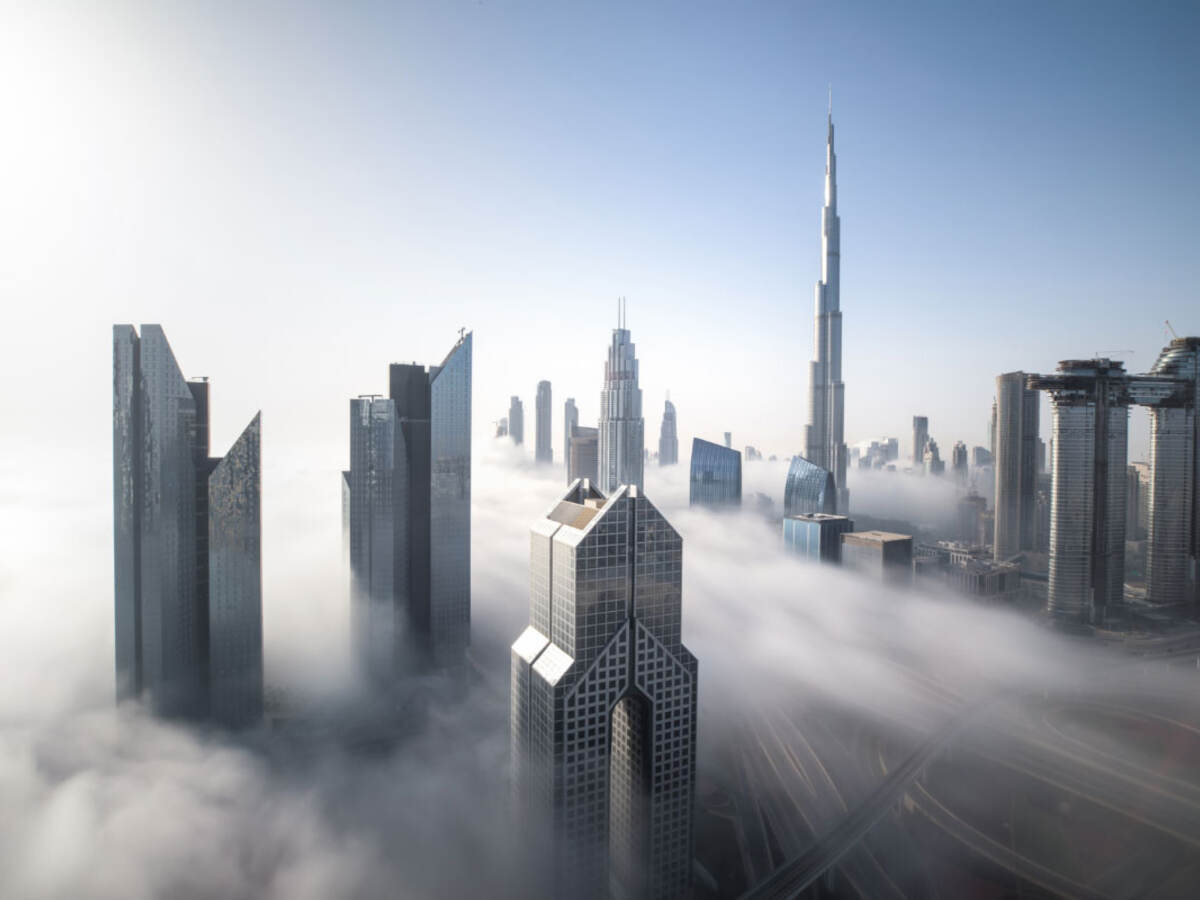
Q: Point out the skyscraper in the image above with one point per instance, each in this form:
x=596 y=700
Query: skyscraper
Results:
x=622 y=429
x=880 y=554
x=1173 y=505
x=516 y=421
x=959 y=462
x=716 y=475
x=933 y=462
x=1087 y=512
x=668 y=437
x=543 y=452
x=1016 y=464
x=570 y=418
x=920 y=438
x=187 y=542
x=817 y=536
x=809 y=489
x=824 y=439
x=603 y=700
x=582 y=462
x=410 y=513
x=378 y=541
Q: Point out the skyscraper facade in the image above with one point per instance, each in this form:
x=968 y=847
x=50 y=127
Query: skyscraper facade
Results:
x=622 y=428
x=920 y=438
x=809 y=489
x=817 y=537
x=516 y=420
x=824 y=439
x=584 y=443
x=1016 y=465
x=716 y=475
x=1087 y=508
x=543 y=452
x=1173 y=503
x=603 y=700
x=668 y=437
x=570 y=419
x=187 y=543
x=960 y=464
x=410 y=514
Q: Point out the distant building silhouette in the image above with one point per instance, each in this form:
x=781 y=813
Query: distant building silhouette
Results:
x=668 y=437
x=585 y=453
x=570 y=419
x=543 y=452
x=516 y=420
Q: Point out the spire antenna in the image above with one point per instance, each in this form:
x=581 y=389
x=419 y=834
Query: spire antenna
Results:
x=831 y=99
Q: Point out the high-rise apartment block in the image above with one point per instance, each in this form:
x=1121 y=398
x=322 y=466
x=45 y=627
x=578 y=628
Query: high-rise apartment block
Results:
x=1016 y=464
x=716 y=475
x=542 y=451
x=603 y=701
x=187 y=532
x=668 y=437
x=622 y=428
x=410 y=514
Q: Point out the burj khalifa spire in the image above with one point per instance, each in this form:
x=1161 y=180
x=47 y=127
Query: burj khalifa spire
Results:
x=824 y=438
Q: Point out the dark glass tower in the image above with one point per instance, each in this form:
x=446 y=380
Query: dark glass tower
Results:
x=186 y=541
x=410 y=513
x=808 y=490
x=716 y=475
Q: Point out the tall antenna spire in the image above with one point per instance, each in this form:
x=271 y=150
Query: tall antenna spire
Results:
x=831 y=99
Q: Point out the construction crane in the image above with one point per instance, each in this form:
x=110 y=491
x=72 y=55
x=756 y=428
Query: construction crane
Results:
x=1170 y=329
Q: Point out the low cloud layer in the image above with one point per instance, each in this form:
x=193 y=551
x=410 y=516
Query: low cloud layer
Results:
x=101 y=802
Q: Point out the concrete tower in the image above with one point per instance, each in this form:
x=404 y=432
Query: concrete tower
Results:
x=824 y=439
x=603 y=701
x=570 y=418
x=622 y=428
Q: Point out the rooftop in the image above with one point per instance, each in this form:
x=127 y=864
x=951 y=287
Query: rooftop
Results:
x=875 y=537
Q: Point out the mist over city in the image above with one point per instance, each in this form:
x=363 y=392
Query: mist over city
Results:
x=667 y=450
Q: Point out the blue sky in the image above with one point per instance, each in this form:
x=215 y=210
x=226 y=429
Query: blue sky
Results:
x=318 y=189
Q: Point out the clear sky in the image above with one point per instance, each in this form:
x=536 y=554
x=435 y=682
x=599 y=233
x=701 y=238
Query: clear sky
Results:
x=301 y=193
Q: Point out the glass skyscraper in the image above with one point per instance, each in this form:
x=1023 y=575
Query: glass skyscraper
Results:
x=1016 y=465
x=716 y=475
x=187 y=543
x=809 y=489
x=410 y=514
x=622 y=429
x=603 y=701
x=816 y=536
x=516 y=420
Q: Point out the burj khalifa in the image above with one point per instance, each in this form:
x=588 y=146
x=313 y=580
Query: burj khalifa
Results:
x=824 y=439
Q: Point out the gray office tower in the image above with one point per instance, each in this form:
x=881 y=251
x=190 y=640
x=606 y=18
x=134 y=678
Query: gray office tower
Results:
x=542 y=451
x=1016 y=464
x=716 y=475
x=570 y=419
x=516 y=421
x=825 y=443
x=410 y=516
x=959 y=463
x=668 y=437
x=603 y=701
x=622 y=429
x=920 y=438
x=187 y=542
x=582 y=462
